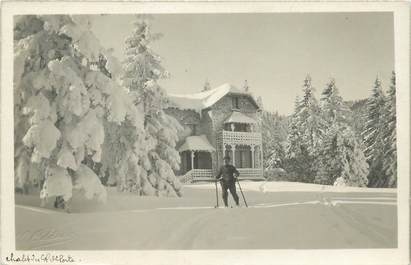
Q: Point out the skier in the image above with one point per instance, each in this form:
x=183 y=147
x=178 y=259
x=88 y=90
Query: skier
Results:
x=227 y=176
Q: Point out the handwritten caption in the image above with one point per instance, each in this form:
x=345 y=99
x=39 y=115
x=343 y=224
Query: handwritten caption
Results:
x=40 y=258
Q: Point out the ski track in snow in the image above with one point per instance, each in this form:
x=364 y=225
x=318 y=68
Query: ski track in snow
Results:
x=371 y=230
x=336 y=202
x=37 y=209
x=267 y=205
x=366 y=198
x=51 y=243
x=189 y=227
x=326 y=202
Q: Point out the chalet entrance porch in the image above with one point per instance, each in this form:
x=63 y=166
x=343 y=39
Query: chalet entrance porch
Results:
x=196 y=159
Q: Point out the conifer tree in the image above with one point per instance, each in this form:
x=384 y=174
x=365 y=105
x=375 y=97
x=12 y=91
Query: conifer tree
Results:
x=310 y=119
x=306 y=130
x=341 y=158
x=332 y=105
x=329 y=159
x=335 y=115
x=373 y=136
x=274 y=134
x=294 y=136
x=390 y=136
x=355 y=166
x=62 y=100
x=154 y=156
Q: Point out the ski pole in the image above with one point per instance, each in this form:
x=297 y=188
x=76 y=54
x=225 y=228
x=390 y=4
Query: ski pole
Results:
x=242 y=194
x=216 y=193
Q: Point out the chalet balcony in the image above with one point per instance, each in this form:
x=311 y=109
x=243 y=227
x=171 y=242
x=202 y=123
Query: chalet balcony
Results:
x=241 y=138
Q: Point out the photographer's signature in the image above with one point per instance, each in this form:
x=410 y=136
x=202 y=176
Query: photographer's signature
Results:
x=40 y=258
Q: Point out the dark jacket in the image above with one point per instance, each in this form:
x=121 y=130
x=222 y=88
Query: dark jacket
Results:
x=227 y=173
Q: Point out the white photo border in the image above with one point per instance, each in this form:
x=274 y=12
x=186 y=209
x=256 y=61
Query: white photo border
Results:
x=399 y=255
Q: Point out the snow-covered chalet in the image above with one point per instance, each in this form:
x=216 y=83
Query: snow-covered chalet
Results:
x=221 y=121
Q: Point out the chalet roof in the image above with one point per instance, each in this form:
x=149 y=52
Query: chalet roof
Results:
x=202 y=100
x=238 y=117
x=196 y=143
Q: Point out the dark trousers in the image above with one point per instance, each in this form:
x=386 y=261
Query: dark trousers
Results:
x=229 y=186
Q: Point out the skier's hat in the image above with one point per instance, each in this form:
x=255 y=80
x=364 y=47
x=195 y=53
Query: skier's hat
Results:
x=226 y=157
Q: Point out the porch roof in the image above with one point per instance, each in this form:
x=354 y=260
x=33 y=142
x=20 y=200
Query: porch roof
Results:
x=196 y=143
x=238 y=117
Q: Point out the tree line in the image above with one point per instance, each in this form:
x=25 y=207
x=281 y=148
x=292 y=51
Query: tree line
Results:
x=331 y=141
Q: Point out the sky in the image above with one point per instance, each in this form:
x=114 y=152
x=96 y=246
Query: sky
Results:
x=273 y=52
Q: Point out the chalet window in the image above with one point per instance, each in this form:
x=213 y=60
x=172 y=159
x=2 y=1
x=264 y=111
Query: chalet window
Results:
x=241 y=127
x=193 y=128
x=243 y=157
x=235 y=102
x=238 y=127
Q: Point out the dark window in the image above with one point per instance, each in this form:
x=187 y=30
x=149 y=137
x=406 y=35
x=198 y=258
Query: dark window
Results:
x=241 y=127
x=235 y=102
x=193 y=128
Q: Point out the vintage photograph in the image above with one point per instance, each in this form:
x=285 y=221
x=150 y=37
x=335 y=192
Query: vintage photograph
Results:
x=205 y=131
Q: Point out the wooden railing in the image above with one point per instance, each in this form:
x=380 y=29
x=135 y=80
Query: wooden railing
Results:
x=250 y=173
x=186 y=178
x=207 y=174
x=202 y=173
x=197 y=175
x=241 y=138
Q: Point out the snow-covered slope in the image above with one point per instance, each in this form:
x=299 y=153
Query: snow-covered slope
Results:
x=297 y=220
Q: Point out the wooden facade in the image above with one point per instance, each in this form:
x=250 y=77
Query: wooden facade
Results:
x=229 y=126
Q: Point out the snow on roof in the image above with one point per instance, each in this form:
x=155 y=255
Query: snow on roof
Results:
x=205 y=99
x=239 y=117
x=196 y=143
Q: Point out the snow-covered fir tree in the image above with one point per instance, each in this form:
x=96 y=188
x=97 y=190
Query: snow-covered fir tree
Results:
x=357 y=118
x=152 y=158
x=62 y=101
x=333 y=152
x=118 y=163
x=342 y=158
x=294 y=135
x=206 y=86
x=390 y=137
x=297 y=158
x=355 y=170
x=306 y=130
x=329 y=160
x=310 y=119
x=332 y=105
x=373 y=136
x=274 y=134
